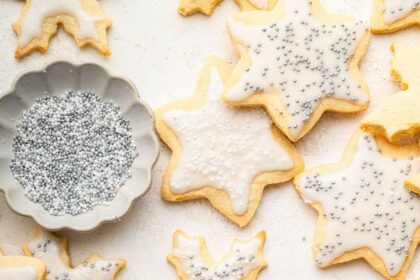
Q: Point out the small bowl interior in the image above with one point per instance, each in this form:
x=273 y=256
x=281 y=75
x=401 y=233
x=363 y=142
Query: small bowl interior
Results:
x=56 y=79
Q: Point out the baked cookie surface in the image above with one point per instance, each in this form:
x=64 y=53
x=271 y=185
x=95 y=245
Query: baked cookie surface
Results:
x=393 y=15
x=297 y=62
x=224 y=154
x=39 y=21
x=21 y=268
x=397 y=117
x=191 y=7
x=192 y=260
x=364 y=209
x=53 y=251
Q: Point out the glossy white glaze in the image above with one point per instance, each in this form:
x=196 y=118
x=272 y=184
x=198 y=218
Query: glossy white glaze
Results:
x=224 y=147
x=300 y=58
x=39 y=10
x=367 y=205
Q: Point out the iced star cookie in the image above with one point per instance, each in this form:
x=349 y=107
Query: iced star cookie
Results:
x=393 y=15
x=227 y=155
x=193 y=261
x=40 y=19
x=191 y=7
x=21 y=268
x=397 y=116
x=364 y=209
x=297 y=61
x=53 y=251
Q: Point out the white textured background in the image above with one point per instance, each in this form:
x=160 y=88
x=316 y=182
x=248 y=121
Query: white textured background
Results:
x=162 y=53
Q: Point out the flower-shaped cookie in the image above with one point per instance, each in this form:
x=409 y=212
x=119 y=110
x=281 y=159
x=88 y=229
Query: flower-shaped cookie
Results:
x=53 y=251
x=364 y=209
x=393 y=15
x=193 y=261
x=190 y=7
x=21 y=268
x=298 y=61
x=40 y=19
x=227 y=155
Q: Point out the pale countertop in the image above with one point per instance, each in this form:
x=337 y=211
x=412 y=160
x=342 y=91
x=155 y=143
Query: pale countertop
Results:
x=162 y=53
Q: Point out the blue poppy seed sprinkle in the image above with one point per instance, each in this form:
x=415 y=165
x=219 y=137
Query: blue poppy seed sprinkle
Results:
x=72 y=152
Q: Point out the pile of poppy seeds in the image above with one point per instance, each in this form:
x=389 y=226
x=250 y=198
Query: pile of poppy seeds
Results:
x=72 y=152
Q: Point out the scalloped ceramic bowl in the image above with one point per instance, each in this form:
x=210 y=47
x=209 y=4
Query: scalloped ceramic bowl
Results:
x=55 y=79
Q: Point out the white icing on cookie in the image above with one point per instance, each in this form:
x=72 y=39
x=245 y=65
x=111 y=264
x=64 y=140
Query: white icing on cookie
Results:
x=47 y=248
x=243 y=260
x=302 y=59
x=39 y=10
x=18 y=273
x=397 y=9
x=366 y=205
x=224 y=147
x=261 y=4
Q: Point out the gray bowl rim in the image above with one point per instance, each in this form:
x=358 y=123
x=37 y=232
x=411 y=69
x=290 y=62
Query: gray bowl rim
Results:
x=153 y=135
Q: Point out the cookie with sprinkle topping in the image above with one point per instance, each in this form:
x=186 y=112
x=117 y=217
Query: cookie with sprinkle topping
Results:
x=21 y=268
x=83 y=19
x=193 y=261
x=297 y=62
x=52 y=250
x=393 y=15
x=397 y=117
x=364 y=209
x=191 y=7
x=224 y=154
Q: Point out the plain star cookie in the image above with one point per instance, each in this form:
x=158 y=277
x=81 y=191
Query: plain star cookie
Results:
x=53 y=251
x=191 y=7
x=393 y=15
x=397 y=117
x=297 y=61
x=364 y=209
x=193 y=261
x=40 y=19
x=227 y=155
x=21 y=268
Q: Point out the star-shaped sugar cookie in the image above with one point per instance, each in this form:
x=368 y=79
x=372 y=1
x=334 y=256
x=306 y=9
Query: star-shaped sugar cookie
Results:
x=21 y=268
x=193 y=261
x=40 y=19
x=364 y=209
x=397 y=117
x=298 y=61
x=393 y=15
x=227 y=155
x=191 y=7
x=53 y=251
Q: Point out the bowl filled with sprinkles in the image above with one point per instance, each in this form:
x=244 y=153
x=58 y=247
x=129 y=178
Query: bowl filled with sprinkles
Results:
x=77 y=146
